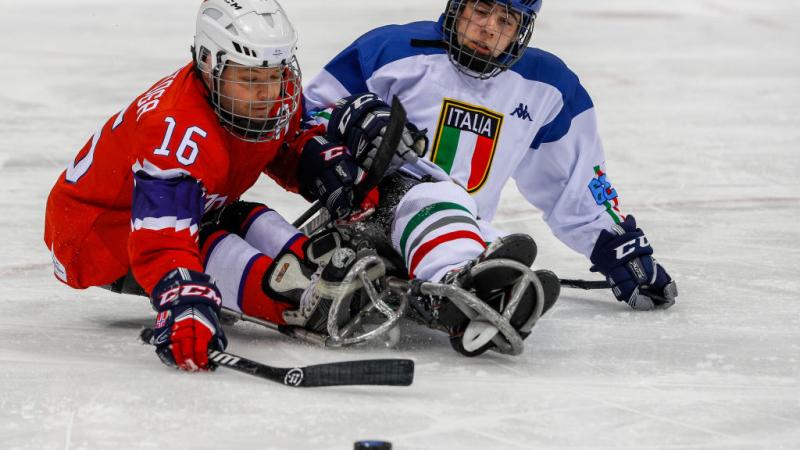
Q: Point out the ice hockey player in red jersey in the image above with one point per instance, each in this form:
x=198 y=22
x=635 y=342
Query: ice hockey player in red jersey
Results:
x=150 y=204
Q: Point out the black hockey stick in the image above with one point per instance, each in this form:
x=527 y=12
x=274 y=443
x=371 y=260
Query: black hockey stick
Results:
x=307 y=215
x=384 y=372
x=385 y=152
x=383 y=156
x=585 y=284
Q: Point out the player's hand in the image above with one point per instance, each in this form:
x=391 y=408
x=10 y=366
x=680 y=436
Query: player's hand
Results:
x=187 y=325
x=360 y=122
x=625 y=257
x=328 y=172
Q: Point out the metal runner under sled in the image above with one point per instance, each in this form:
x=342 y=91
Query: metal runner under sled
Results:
x=378 y=300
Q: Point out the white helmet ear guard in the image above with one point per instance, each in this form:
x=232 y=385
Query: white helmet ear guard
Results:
x=252 y=36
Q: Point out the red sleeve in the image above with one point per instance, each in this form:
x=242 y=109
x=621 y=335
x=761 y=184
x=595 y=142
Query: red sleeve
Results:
x=166 y=217
x=177 y=159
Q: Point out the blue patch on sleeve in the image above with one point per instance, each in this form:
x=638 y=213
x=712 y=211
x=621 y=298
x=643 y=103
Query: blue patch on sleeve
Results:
x=155 y=198
x=602 y=190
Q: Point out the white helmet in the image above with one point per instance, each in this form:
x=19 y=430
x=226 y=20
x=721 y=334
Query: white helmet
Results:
x=245 y=51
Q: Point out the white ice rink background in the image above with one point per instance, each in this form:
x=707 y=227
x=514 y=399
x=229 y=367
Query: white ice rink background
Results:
x=699 y=107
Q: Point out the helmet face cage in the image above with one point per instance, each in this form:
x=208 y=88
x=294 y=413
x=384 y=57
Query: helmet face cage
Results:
x=253 y=103
x=485 y=38
x=245 y=54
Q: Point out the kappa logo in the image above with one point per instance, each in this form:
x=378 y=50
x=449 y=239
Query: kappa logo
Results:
x=294 y=377
x=522 y=112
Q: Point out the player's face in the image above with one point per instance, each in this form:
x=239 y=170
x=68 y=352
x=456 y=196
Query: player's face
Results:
x=250 y=92
x=487 y=28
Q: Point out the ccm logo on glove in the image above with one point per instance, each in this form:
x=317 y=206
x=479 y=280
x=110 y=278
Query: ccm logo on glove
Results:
x=356 y=103
x=334 y=152
x=189 y=290
x=631 y=246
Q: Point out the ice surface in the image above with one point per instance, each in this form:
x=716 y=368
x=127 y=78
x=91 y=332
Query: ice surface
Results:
x=699 y=104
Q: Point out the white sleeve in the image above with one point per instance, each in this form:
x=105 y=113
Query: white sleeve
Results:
x=566 y=179
x=322 y=92
x=341 y=77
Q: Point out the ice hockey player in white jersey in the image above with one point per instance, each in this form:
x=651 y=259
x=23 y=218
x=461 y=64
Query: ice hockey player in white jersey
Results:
x=492 y=109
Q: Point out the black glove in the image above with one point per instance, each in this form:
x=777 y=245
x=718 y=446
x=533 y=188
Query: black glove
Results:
x=625 y=258
x=360 y=122
x=187 y=325
x=328 y=172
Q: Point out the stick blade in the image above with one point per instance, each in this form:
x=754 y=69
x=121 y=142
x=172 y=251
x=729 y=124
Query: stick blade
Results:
x=584 y=284
x=383 y=372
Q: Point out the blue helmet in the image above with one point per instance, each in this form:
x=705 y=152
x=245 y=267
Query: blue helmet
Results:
x=474 y=57
x=529 y=6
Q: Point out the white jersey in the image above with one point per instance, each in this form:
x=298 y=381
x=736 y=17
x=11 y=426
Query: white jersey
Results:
x=534 y=123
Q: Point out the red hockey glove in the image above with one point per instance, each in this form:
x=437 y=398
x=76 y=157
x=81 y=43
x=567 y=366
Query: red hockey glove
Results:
x=187 y=325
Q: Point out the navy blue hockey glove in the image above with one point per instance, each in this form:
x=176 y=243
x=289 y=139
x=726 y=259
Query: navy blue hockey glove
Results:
x=327 y=171
x=360 y=122
x=187 y=325
x=624 y=256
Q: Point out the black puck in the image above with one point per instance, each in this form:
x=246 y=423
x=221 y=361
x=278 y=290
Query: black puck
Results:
x=372 y=445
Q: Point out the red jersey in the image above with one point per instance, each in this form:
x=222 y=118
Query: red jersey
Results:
x=169 y=142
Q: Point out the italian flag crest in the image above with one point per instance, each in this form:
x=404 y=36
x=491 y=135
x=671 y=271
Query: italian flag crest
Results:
x=465 y=142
